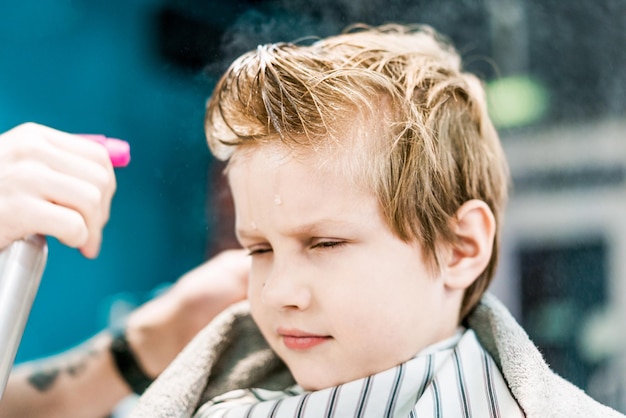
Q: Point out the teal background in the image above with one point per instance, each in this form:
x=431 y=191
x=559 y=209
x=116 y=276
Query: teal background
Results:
x=94 y=67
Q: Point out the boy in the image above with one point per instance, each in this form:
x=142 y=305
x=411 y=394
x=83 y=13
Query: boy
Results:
x=369 y=184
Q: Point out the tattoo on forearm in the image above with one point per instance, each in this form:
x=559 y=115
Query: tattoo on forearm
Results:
x=43 y=378
x=74 y=369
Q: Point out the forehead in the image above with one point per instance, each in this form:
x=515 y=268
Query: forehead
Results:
x=272 y=183
x=273 y=165
x=277 y=165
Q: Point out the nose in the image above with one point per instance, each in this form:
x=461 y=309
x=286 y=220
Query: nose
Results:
x=286 y=286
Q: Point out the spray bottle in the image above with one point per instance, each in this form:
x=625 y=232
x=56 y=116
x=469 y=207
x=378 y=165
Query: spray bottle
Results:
x=21 y=267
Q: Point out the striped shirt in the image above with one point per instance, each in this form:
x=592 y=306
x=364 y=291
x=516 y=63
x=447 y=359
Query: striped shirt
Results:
x=455 y=378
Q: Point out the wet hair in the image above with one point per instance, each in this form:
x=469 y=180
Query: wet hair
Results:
x=426 y=143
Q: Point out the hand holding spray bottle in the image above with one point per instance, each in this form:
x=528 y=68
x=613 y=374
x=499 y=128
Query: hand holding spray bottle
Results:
x=21 y=267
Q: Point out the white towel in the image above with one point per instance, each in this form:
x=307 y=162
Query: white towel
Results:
x=230 y=353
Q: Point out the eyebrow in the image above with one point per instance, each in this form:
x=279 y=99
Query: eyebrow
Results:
x=310 y=228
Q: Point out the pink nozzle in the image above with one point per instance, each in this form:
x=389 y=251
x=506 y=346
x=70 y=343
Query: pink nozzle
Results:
x=119 y=150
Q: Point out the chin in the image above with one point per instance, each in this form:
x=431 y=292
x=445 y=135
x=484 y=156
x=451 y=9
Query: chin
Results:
x=313 y=383
x=319 y=379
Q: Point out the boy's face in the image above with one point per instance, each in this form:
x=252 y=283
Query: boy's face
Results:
x=336 y=294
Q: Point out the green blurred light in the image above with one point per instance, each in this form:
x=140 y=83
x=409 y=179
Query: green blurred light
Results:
x=516 y=101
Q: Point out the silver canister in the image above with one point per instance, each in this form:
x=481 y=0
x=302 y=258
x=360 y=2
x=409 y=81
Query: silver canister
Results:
x=21 y=267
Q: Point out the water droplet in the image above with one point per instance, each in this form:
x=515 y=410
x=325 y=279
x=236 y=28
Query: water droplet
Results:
x=277 y=200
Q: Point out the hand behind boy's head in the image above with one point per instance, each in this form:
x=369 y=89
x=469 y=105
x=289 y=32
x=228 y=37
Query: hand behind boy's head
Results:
x=366 y=175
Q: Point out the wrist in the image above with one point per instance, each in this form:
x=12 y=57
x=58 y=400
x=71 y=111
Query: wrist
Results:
x=127 y=364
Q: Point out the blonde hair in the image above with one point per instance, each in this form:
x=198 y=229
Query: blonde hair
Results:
x=437 y=148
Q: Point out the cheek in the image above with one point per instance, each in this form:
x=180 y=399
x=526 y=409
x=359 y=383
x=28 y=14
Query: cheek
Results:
x=384 y=304
x=255 y=292
x=258 y=312
x=349 y=308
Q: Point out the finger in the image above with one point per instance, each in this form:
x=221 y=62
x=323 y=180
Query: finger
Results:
x=92 y=248
x=80 y=177
x=65 y=224
x=63 y=152
x=84 y=198
x=104 y=180
x=74 y=166
x=215 y=284
x=70 y=154
x=65 y=141
x=236 y=262
x=64 y=161
x=39 y=182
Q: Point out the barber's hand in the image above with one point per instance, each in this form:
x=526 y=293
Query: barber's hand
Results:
x=54 y=183
x=160 y=329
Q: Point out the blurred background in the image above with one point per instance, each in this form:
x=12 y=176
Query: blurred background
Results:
x=142 y=70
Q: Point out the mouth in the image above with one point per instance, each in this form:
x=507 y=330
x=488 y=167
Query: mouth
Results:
x=300 y=340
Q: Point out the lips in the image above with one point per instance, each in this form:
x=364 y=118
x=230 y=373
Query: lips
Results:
x=299 y=340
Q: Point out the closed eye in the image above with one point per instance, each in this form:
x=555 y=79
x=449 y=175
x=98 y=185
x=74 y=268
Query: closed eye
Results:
x=259 y=251
x=329 y=244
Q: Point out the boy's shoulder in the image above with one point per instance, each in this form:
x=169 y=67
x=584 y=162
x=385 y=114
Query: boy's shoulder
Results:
x=231 y=354
x=538 y=389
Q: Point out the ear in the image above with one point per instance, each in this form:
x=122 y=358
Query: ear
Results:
x=475 y=227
